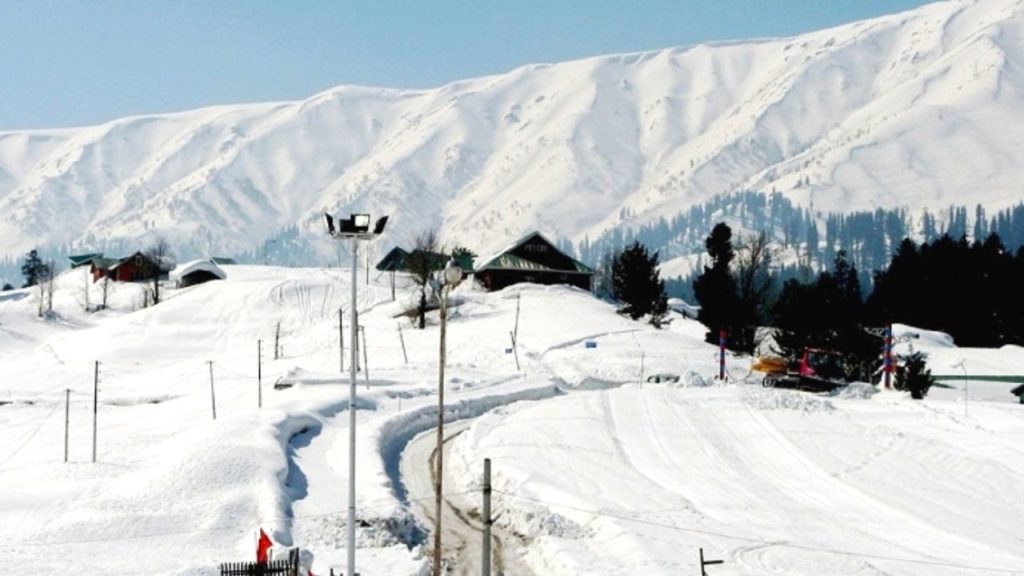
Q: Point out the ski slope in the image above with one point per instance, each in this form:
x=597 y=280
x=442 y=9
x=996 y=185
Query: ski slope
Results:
x=594 y=472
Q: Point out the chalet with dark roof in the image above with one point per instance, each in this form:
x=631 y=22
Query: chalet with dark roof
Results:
x=533 y=258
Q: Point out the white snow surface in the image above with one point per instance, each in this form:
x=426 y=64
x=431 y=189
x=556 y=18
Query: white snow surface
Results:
x=918 y=109
x=202 y=264
x=596 y=472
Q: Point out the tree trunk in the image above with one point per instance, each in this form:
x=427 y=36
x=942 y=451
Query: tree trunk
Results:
x=423 y=309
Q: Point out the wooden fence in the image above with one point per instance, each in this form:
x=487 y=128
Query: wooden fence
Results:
x=289 y=567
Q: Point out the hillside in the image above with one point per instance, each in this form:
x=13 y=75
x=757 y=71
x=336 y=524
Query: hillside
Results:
x=594 y=472
x=911 y=110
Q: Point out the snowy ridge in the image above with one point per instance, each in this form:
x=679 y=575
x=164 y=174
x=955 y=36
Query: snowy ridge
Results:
x=916 y=109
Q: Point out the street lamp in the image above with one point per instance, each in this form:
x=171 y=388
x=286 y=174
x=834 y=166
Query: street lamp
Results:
x=450 y=277
x=356 y=228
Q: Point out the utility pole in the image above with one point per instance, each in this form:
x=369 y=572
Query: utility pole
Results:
x=95 y=405
x=351 y=526
x=259 y=372
x=67 y=420
x=451 y=276
x=213 y=396
x=488 y=521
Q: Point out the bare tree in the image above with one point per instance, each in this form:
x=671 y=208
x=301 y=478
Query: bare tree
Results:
x=105 y=287
x=421 y=264
x=51 y=277
x=45 y=283
x=158 y=253
x=753 y=282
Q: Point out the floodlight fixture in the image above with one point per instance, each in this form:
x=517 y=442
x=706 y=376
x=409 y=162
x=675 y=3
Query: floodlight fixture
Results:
x=355 y=228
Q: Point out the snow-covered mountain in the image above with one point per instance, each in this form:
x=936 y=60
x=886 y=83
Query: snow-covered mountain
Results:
x=916 y=109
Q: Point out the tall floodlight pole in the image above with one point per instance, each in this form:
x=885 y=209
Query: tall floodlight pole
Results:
x=356 y=228
x=451 y=276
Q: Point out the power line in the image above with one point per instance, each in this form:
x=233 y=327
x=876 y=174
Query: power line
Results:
x=32 y=435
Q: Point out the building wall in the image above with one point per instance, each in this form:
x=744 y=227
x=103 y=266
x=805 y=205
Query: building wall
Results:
x=498 y=279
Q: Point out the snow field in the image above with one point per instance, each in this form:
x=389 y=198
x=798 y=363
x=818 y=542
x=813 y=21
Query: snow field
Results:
x=596 y=471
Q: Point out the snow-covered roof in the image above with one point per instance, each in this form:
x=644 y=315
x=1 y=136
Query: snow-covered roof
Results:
x=506 y=260
x=203 y=264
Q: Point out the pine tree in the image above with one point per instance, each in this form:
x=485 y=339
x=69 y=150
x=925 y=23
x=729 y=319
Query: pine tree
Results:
x=636 y=283
x=913 y=376
x=33 y=269
x=715 y=289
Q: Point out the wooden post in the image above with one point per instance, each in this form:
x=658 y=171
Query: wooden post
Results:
x=95 y=405
x=515 y=349
x=213 y=396
x=515 y=331
x=641 y=369
x=67 y=420
x=485 y=555
x=401 y=338
x=277 y=341
x=721 y=354
x=259 y=372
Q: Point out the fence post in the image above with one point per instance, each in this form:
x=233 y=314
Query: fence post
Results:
x=515 y=349
x=95 y=405
x=402 y=339
x=721 y=354
x=259 y=372
x=67 y=420
x=488 y=521
x=213 y=396
x=341 y=339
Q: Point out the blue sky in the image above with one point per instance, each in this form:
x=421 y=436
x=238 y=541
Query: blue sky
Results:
x=72 y=63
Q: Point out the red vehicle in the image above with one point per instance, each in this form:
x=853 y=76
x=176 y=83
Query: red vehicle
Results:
x=818 y=371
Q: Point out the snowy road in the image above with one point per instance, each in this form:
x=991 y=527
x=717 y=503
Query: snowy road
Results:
x=462 y=527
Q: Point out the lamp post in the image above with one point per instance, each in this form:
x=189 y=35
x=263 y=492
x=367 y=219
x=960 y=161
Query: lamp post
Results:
x=451 y=276
x=356 y=228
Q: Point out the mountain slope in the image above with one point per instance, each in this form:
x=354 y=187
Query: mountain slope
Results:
x=915 y=109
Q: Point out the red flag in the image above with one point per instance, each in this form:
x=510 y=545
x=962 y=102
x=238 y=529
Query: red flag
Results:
x=263 y=548
x=309 y=573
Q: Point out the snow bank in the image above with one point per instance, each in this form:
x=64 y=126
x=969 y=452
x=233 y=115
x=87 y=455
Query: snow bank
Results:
x=776 y=399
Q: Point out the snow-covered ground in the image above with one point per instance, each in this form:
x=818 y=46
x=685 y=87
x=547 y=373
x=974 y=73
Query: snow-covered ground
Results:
x=594 y=471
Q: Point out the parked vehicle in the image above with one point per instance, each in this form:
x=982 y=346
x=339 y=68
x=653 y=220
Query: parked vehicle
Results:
x=817 y=371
